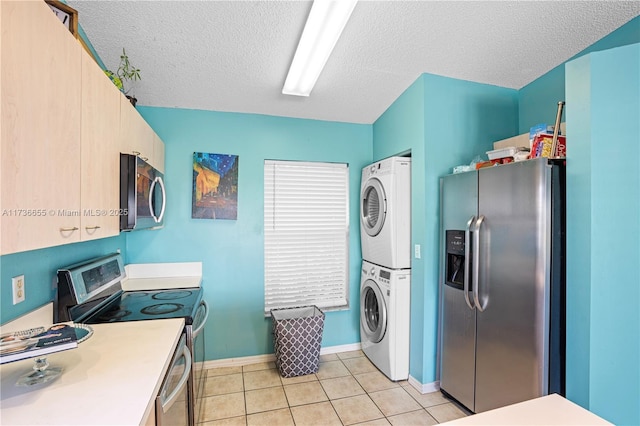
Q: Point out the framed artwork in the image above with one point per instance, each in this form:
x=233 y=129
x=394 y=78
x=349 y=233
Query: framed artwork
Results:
x=66 y=14
x=215 y=186
x=69 y=18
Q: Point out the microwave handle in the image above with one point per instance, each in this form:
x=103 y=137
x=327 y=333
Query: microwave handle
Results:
x=157 y=180
x=164 y=198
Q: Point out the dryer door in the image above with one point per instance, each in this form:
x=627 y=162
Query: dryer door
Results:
x=373 y=312
x=374 y=207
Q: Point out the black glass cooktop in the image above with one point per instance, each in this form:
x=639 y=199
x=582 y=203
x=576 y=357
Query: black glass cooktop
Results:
x=154 y=304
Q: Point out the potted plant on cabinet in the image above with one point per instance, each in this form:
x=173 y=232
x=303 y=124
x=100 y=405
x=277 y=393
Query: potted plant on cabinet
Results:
x=125 y=72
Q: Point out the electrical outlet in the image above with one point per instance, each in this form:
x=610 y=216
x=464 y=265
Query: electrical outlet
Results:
x=417 y=251
x=17 y=284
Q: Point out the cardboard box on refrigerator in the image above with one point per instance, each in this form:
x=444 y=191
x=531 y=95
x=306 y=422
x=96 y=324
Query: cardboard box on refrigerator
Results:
x=524 y=140
x=516 y=141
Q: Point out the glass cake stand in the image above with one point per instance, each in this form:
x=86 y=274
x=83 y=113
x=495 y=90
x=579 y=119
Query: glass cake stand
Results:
x=42 y=371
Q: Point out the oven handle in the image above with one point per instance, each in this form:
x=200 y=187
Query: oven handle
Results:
x=205 y=306
x=166 y=403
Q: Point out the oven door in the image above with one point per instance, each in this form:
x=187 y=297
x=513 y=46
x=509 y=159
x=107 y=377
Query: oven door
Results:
x=197 y=352
x=172 y=403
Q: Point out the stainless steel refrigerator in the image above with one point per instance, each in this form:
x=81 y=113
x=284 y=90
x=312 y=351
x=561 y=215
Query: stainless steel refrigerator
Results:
x=502 y=292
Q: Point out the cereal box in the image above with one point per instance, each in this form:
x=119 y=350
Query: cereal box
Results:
x=542 y=145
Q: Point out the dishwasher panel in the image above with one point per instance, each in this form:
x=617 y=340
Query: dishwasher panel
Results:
x=195 y=336
x=172 y=403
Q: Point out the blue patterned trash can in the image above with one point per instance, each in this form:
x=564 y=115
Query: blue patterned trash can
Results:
x=297 y=334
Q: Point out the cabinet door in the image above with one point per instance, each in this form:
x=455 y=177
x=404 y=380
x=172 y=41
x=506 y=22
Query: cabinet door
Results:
x=1 y=133
x=40 y=129
x=100 y=153
x=158 y=153
x=135 y=134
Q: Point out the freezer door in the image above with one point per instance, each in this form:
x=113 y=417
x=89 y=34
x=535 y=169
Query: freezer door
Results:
x=458 y=202
x=513 y=287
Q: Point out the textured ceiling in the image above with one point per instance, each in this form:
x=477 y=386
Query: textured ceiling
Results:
x=234 y=55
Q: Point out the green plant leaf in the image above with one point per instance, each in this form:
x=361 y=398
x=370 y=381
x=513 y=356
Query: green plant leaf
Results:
x=114 y=79
x=126 y=71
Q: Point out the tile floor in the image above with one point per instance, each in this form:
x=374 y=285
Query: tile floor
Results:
x=347 y=390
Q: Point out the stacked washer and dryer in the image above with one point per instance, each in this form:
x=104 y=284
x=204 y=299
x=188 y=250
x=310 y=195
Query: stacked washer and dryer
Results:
x=385 y=230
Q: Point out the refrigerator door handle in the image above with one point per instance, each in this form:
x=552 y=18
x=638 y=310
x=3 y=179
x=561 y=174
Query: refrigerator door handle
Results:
x=467 y=239
x=476 y=264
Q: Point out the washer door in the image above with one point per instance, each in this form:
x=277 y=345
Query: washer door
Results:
x=374 y=207
x=373 y=312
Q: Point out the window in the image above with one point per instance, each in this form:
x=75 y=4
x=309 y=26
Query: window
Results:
x=306 y=234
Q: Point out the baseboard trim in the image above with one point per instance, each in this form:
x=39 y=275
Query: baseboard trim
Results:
x=236 y=362
x=424 y=388
x=340 y=348
x=254 y=359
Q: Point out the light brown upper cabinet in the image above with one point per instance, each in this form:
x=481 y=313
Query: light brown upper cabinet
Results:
x=137 y=137
x=158 y=153
x=40 y=136
x=100 y=153
x=63 y=125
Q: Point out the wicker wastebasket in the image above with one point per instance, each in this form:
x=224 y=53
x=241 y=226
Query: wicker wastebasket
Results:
x=297 y=334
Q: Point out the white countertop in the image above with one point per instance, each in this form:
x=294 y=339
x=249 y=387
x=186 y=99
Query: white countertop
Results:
x=110 y=379
x=547 y=410
x=155 y=276
x=164 y=283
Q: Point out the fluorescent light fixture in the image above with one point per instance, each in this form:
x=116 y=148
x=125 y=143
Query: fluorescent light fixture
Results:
x=321 y=32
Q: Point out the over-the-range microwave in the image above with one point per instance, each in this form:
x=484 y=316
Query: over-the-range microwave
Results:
x=142 y=194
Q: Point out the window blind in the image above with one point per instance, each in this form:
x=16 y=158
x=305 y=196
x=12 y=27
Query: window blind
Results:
x=306 y=234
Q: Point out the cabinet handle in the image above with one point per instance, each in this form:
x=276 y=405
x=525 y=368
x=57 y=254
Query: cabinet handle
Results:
x=75 y=228
x=135 y=153
x=91 y=227
x=145 y=158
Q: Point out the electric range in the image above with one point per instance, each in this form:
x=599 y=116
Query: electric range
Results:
x=90 y=292
x=146 y=305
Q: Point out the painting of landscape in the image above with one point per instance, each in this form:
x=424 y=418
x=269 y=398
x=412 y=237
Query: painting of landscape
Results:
x=215 y=186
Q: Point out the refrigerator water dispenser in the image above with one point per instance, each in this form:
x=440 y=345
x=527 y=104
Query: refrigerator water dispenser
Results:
x=455 y=258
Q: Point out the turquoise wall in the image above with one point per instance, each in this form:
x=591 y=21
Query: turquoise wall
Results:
x=539 y=99
x=594 y=378
x=39 y=269
x=462 y=120
x=444 y=122
x=603 y=202
x=232 y=250
x=401 y=129
x=579 y=243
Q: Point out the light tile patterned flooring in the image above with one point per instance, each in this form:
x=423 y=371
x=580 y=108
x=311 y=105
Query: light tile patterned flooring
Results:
x=347 y=390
